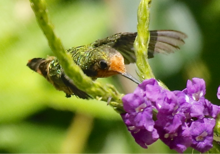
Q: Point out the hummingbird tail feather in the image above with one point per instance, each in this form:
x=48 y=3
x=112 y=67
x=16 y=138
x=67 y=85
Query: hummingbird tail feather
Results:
x=60 y=81
x=39 y=65
x=34 y=63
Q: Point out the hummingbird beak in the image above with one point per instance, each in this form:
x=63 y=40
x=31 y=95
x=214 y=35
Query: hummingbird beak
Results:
x=117 y=66
x=130 y=77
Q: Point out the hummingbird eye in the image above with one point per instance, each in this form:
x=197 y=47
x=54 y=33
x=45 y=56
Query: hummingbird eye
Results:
x=103 y=64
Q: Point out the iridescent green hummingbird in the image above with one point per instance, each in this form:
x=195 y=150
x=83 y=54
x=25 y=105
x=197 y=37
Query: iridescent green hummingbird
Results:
x=104 y=58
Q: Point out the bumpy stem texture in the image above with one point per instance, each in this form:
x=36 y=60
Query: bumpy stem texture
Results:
x=142 y=39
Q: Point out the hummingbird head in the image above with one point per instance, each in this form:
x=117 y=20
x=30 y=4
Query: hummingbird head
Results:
x=112 y=65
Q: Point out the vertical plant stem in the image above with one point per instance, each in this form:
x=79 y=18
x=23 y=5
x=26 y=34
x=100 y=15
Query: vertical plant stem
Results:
x=142 y=39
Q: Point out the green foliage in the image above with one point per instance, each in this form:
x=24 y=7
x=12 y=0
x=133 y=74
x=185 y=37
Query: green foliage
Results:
x=28 y=137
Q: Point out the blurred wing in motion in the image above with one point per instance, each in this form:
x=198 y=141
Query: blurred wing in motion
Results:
x=161 y=41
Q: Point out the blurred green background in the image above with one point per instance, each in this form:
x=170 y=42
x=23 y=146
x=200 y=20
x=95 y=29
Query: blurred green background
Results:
x=36 y=118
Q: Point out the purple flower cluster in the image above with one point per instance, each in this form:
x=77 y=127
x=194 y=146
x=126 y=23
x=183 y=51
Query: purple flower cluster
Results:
x=181 y=119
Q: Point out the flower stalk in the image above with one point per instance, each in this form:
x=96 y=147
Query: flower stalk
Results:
x=73 y=71
x=142 y=40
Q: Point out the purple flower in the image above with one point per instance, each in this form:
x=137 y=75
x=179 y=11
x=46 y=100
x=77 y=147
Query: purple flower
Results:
x=211 y=110
x=141 y=135
x=194 y=95
x=179 y=140
x=152 y=91
x=195 y=89
x=170 y=122
x=202 y=134
x=218 y=93
x=184 y=118
x=168 y=116
x=139 y=119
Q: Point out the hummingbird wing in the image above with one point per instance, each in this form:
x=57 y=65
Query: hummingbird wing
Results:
x=77 y=92
x=161 y=41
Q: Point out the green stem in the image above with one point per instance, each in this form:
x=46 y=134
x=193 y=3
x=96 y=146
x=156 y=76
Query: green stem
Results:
x=142 y=40
x=83 y=82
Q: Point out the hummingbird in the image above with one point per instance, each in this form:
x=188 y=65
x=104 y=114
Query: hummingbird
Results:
x=104 y=58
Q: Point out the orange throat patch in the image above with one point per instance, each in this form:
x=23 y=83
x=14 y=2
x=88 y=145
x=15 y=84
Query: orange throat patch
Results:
x=116 y=66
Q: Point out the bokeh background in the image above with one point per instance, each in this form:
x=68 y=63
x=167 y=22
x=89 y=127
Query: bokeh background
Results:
x=36 y=118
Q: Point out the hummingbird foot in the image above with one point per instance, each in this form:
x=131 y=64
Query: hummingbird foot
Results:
x=68 y=95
